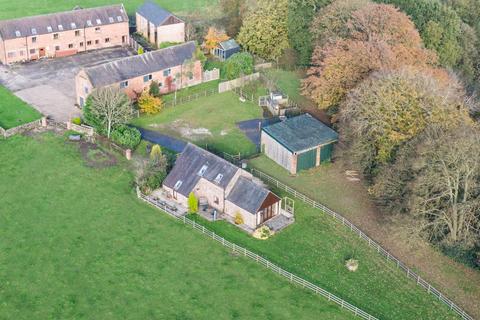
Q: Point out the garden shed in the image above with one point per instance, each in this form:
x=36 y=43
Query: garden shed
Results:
x=226 y=49
x=298 y=143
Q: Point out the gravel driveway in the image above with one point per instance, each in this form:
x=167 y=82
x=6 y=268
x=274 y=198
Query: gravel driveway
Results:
x=49 y=85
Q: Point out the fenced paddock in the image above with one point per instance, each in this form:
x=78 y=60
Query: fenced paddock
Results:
x=408 y=272
x=260 y=260
x=189 y=98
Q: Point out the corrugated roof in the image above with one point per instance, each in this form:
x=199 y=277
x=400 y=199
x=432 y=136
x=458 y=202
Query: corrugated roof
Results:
x=140 y=65
x=229 y=44
x=248 y=195
x=189 y=164
x=62 y=21
x=301 y=133
x=154 y=13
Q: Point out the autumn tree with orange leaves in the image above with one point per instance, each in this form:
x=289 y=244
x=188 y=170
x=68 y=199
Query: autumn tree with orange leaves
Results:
x=213 y=38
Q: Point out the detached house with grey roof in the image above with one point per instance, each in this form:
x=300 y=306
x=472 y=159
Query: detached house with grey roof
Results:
x=159 y=25
x=173 y=68
x=225 y=187
x=64 y=33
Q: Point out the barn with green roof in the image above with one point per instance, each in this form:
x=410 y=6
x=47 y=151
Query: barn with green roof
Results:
x=298 y=143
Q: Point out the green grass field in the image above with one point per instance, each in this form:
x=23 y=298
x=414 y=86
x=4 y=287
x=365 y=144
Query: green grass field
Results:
x=75 y=243
x=21 y=8
x=218 y=114
x=13 y=111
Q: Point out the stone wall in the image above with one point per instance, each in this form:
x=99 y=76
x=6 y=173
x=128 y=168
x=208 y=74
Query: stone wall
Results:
x=21 y=128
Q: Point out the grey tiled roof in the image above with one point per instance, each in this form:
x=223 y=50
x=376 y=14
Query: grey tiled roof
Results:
x=154 y=13
x=37 y=25
x=248 y=195
x=301 y=133
x=189 y=163
x=229 y=44
x=140 y=65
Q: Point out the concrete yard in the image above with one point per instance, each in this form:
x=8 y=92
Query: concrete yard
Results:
x=49 y=85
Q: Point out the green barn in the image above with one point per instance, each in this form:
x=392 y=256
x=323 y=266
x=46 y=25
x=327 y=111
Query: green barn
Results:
x=298 y=143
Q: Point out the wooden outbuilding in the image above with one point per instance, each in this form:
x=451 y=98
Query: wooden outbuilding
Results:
x=226 y=49
x=298 y=143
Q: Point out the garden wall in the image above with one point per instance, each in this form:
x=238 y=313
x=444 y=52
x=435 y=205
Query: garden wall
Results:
x=236 y=83
x=21 y=128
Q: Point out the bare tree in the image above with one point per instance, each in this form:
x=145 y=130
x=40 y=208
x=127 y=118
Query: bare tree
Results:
x=111 y=107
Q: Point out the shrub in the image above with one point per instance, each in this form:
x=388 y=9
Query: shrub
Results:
x=126 y=136
x=154 y=89
x=237 y=65
x=140 y=50
x=167 y=44
x=149 y=104
x=192 y=203
x=77 y=121
x=238 y=218
x=155 y=154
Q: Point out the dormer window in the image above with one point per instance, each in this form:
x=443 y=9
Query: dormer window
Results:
x=99 y=21
x=202 y=170
x=111 y=19
x=73 y=25
x=60 y=27
x=89 y=23
x=34 y=31
x=119 y=18
x=18 y=34
x=218 y=178
x=49 y=29
x=177 y=185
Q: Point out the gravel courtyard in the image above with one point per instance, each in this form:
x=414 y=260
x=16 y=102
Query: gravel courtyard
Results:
x=49 y=85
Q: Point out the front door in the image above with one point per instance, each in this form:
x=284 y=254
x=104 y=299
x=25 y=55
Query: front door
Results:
x=266 y=214
x=41 y=52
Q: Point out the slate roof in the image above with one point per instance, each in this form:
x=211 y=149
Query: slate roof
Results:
x=38 y=25
x=229 y=44
x=301 y=133
x=154 y=13
x=140 y=65
x=188 y=165
x=248 y=195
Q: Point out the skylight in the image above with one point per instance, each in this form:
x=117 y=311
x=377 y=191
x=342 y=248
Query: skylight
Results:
x=18 y=34
x=178 y=185
x=119 y=18
x=99 y=21
x=34 y=31
x=73 y=25
x=219 y=178
x=111 y=19
x=60 y=27
x=49 y=29
x=89 y=23
x=202 y=170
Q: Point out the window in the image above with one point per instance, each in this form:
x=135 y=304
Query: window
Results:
x=34 y=39
x=18 y=34
x=55 y=36
x=97 y=29
x=167 y=72
x=89 y=43
x=57 y=48
x=77 y=33
x=49 y=29
x=119 y=18
x=218 y=178
x=107 y=40
x=177 y=185
x=202 y=170
x=89 y=23
x=34 y=31
x=190 y=76
x=97 y=41
x=60 y=27
x=147 y=78
x=85 y=89
x=99 y=21
x=73 y=25
x=124 y=39
x=216 y=200
x=123 y=84
x=81 y=44
x=21 y=52
x=160 y=84
x=32 y=51
x=70 y=46
x=11 y=54
x=111 y=19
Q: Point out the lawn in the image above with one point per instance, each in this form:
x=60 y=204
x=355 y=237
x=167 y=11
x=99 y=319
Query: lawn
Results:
x=192 y=91
x=288 y=82
x=75 y=243
x=20 y=8
x=316 y=248
x=14 y=111
x=207 y=121
x=329 y=185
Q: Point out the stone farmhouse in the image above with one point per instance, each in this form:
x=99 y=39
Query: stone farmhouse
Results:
x=222 y=185
x=158 y=25
x=173 y=68
x=298 y=143
x=62 y=34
